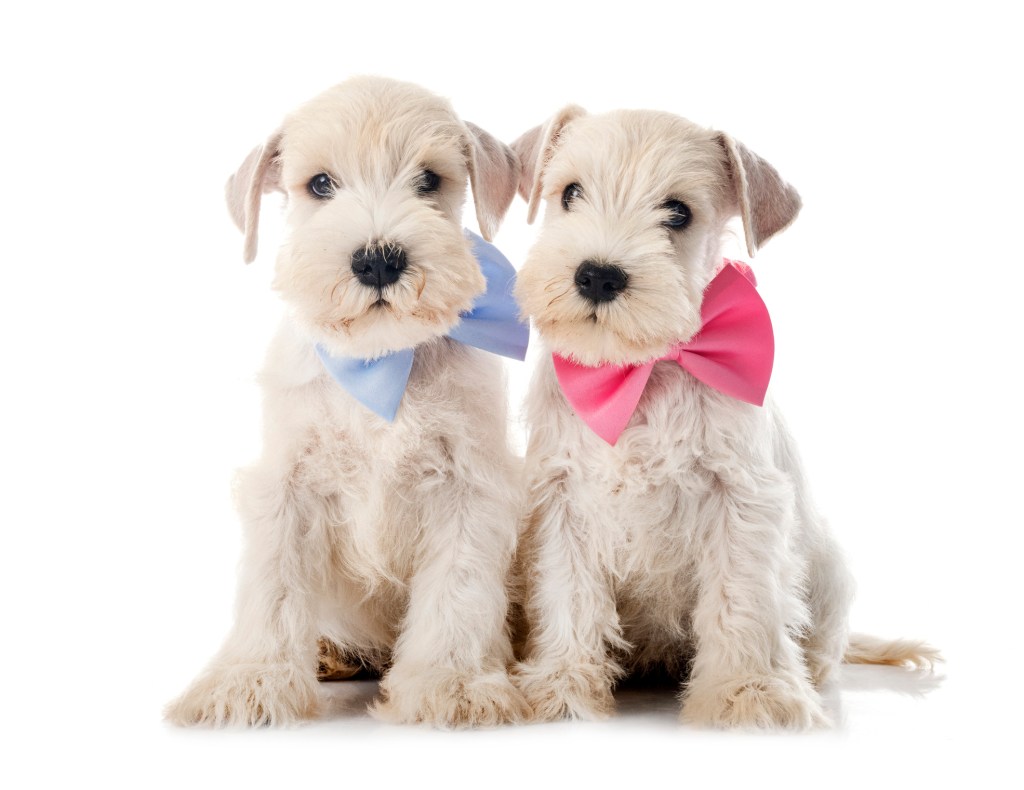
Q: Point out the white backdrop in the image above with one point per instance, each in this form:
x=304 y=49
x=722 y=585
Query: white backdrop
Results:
x=131 y=333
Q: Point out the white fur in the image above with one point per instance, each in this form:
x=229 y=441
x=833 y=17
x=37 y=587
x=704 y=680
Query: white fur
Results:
x=387 y=544
x=692 y=543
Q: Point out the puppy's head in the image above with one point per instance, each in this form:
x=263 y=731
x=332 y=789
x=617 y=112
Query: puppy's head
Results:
x=637 y=203
x=375 y=177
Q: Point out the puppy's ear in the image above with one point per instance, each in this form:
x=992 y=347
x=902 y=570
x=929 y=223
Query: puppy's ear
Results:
x=493 y=175
x=767 y=204
x=534 y=149
x=259 y=173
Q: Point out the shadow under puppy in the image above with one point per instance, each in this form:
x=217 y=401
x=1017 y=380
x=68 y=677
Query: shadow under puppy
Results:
x=670 y=526
x=381 y=518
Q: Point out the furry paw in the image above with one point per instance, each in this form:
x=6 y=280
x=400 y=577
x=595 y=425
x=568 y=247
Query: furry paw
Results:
x=582 y=691
x=246 y=694
x=756 y=701
x=334 y=664
x=823 y=653
x=822 y=666
x=449 y=698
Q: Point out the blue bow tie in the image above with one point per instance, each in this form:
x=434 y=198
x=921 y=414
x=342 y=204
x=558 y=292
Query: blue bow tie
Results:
x=492 y=324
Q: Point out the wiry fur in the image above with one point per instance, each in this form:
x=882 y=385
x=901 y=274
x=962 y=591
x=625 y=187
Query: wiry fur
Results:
x=908 y=653
x=692 y=544
x=379 y=545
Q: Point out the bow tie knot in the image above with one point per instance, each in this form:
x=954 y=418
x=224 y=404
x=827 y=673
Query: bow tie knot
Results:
x=733 y=352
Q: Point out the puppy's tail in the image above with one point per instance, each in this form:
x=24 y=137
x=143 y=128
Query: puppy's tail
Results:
x=909 y=653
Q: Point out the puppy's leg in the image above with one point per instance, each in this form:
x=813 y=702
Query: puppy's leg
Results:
x=570 y=609
x=334 y=664
x=266 y=671
x=829 y=594
x=452 y=656
x=829 y=583
x=748 y=669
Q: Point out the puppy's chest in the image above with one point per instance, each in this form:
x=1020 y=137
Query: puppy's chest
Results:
x=359 y=459
x=645 y=503
x=368 y=473
x=649 y=488
x=381 y=470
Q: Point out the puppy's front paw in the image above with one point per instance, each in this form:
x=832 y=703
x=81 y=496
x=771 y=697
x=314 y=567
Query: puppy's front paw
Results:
x=246 y=694
x=449 y=698
x=580 y=691
x=755 y=701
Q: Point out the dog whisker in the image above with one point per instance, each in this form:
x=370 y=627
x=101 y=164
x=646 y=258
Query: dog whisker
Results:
x=561 y=295
x=554 y=282
x=334 y=289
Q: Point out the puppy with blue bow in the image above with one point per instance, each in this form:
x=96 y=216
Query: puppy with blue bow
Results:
x=381 y=519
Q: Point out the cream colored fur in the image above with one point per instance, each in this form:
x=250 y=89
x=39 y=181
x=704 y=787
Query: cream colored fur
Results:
x=388 y=544
x=692 y=544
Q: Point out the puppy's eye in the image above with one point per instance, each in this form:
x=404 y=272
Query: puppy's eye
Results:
x=428 y=182
x=679 y=215
x=321 y=186
x=570 y=194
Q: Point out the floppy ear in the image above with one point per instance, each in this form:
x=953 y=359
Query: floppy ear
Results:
x=534 y=149
x=493 y=175
x=767 y=204
x=259 y=173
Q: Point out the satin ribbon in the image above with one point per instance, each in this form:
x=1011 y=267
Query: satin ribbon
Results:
x=733 y=352
x=492 y=324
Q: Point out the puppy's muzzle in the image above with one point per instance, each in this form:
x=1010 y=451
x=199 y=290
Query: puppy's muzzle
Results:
x=378 y=265
x=599 y=282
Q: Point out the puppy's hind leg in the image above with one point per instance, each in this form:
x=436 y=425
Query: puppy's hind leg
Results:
x=333 y=663
x=829 y=584
x=266 y=671
x=829 y=594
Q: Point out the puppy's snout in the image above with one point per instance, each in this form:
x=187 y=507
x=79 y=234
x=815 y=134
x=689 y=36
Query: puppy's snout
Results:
x=378 y=265
x=599 y=282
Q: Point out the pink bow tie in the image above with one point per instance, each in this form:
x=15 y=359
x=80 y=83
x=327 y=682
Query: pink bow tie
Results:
x=733 y=352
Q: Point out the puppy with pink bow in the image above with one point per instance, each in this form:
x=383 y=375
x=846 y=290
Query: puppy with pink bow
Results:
x=669 y=523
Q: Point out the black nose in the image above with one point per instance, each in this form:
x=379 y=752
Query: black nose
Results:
x=599 y=282
x=378 y=265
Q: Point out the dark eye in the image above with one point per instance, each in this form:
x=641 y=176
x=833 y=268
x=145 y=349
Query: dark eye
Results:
x=570 y=193
x=428 y=182
x=321 y=186
x=679 y=215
